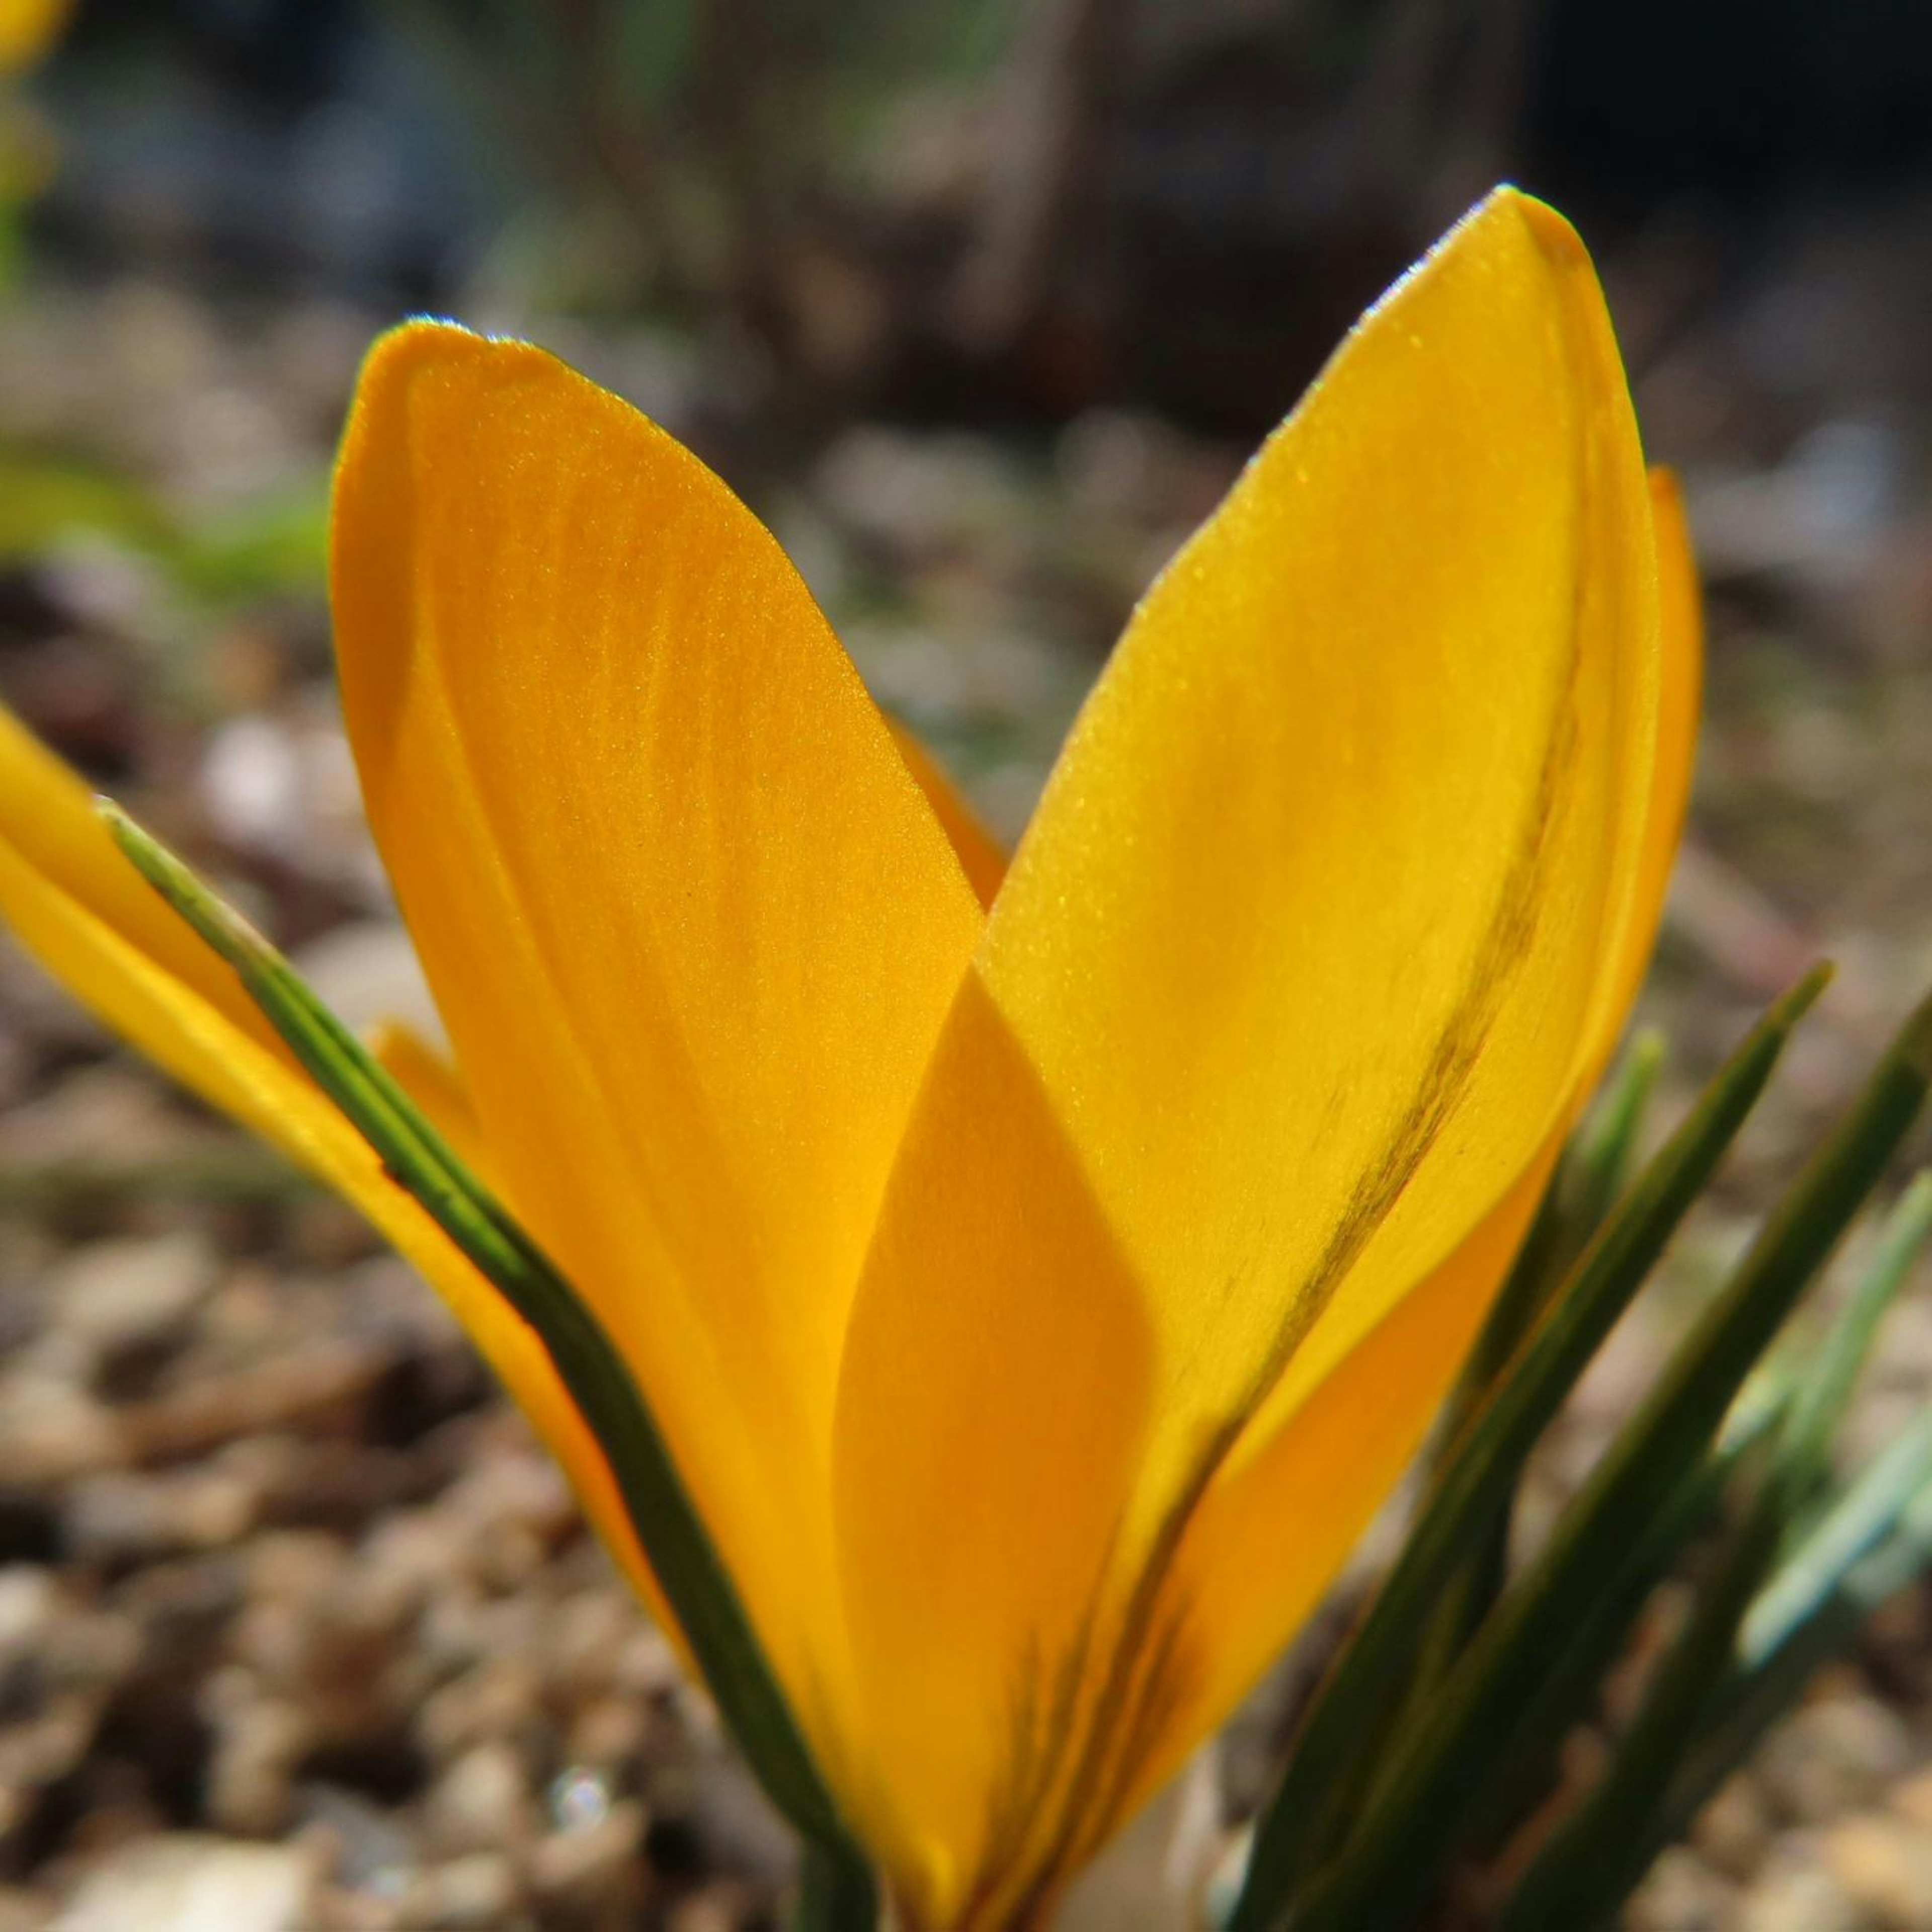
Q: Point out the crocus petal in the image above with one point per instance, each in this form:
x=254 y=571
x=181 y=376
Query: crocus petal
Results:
x=1288 y=1506
x=28 y=29
x=981 y=858
x=691 y=922
x=1679 y=700
x=1303 y=954
x=1280 y=1520
x=71 y=898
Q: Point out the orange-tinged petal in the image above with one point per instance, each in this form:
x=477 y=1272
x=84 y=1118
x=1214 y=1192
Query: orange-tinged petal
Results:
x=1277 y=1522
x=978 y=1496
x=691 y=922
x=28 y=29
x=1303 y=954
x=981 y=857
x=73 y=900
x=47 y=814
x=1679 y=700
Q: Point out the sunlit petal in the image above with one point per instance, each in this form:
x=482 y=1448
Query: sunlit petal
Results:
x=1303 y=954
x=690 y=920
x=981 y=857
x=28 y=29
x=1679 y=700
x=1289 y=1506
x=71 y=898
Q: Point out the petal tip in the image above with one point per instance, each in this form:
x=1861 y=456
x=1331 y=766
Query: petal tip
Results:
x=426 y=346
x=1552 y=233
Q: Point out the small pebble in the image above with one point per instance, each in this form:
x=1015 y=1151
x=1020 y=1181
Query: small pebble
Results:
x=1912 y=1799
x=1735 y=1828
x=475 y=1893
x=122 y=1294
x=186 y=1882
x=1682 y=1893
x=1834 y=1756
x=1795 y=1893
x=1885 y=1864
x=257 y=1748
x=481 y=1803
x=578 y=1868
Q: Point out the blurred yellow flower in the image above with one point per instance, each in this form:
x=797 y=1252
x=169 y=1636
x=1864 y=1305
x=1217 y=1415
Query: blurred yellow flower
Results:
x=1041 y=1273
x=28 y=29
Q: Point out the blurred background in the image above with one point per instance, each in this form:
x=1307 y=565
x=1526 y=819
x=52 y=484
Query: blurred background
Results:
x=981 y=303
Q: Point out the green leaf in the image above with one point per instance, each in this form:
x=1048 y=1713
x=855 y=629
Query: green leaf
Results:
x=1868 y=1509
x=1421 y=1817
x=1595 y=1857
x=683 y=1557
x=1826 y=1392
x=1354 y=1702
x=275 y=543
x=1570 y=1693
x=1589 y=1177
x=1709 y=1710
x=1875 y=1539
x=836 y=1892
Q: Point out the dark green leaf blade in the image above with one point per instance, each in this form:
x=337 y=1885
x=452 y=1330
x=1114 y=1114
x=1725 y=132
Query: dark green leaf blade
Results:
x=1401 y=1848
x=1355 y=1699
x=1586 y=1870
x=682 y=1557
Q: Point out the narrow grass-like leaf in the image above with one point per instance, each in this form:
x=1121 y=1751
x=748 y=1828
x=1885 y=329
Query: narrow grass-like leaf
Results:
x=1867 y=1511
x=1589 y=1177
x=1354 y=1702
x=1570 y=1692
x=1600 y=1853
x=683 y=1557
x=1581 y=1877
x=836 y=1891
x=1400 y=1850
x=1873 y=1541
x=1826 y=1392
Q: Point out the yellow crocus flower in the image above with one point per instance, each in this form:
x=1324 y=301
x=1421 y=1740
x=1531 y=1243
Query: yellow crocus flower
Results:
x=1040 y=1272
x=28 y=29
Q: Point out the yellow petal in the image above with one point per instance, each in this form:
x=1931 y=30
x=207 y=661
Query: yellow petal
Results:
x=1679 y=699
x=1303 y=953
x=994 y=1403
x=73 y=900
x=1272 y=1531
x=1290 y=1504
x=690 y=920
x=28 y=29
x=47 y=814
x=980 y=856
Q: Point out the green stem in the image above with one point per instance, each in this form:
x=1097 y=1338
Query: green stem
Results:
x=836 y=1892
x=673 y=1536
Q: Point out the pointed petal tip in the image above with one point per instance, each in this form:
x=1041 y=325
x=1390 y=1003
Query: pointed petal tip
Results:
x=417 y=335
x=425 y=345
x=1550 y=234
x=1553 y=232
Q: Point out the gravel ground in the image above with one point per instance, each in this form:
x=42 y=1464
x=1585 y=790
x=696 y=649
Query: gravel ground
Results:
x=297 y=1628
